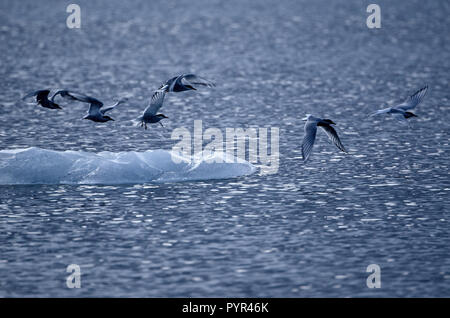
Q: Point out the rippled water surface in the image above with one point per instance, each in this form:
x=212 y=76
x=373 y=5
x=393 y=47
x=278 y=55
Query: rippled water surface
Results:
x=306 y=231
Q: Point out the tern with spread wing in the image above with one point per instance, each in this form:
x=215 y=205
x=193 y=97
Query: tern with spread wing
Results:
x=402 y=112
x=310 y=134
x=150 y=115
x=185 y=82
x=43 y=100
x=96 y=110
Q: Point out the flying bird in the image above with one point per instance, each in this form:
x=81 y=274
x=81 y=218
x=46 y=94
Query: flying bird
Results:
x=150 y=116
x=96 y=110
x=185 y=82
x=181 y=83
x=401 y=112
x=310 y=134
x=42 y=98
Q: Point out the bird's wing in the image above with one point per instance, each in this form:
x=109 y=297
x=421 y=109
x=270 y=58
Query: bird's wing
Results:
x=381 y=111
x=168 y=83
x=40 y=93
x=64 y=93
x=196 y=80
x=164 y=86
x=155 y=102
x=80 y=97
x=95 y=104
x=108 y=108
x=414 y=100
x=94 y=109
x=332 y=134
x=308 y=139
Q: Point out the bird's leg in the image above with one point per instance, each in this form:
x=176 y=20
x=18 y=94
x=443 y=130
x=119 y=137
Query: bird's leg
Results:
x=161 y=124
x=145 y=125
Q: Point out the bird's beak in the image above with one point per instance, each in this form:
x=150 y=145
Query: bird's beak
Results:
x=305 y=119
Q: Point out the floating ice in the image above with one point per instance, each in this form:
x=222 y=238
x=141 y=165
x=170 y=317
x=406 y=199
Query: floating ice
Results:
x=41 y=166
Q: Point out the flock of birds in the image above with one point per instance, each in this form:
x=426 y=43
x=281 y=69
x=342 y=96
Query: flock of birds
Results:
x=97 y=110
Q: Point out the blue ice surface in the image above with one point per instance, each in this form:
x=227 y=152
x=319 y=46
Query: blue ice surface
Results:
x=41 y=166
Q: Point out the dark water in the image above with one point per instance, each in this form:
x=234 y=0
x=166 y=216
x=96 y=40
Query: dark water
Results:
x=306 y=231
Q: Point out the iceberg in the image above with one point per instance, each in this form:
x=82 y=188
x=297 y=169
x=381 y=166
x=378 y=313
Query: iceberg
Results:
x=40 y=166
